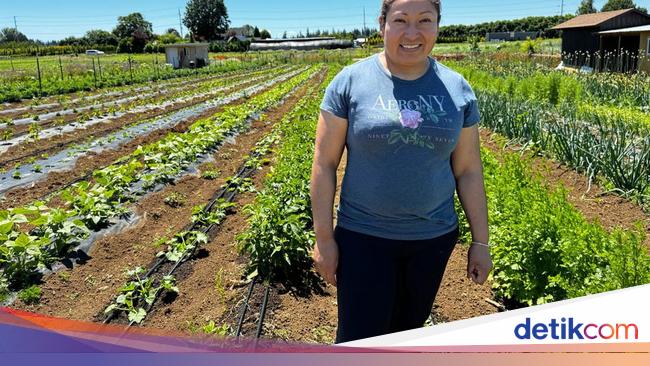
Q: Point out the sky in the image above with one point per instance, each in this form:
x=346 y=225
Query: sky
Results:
x=53 y=20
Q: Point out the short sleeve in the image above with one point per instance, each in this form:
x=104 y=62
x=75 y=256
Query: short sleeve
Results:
x=337 y=96
x=471 y=112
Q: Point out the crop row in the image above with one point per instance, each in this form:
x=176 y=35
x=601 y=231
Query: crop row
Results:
x=611 y=89
x=56 y=124
x=32 y=237
x=13 y=91
x=139 y=294
x=280 y=236
x=545 y=250
x=97 y=108
x=607 y=148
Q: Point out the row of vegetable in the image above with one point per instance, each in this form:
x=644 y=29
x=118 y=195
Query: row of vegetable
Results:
x=157 y=104
x=144 y=287
x=602 y=141
x=545 y=250
x=33 y=237
x=15 y=89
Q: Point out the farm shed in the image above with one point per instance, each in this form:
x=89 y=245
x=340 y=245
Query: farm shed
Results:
x=510 y=36
x=642 y=33
x=185 y=55
x=584 y=45
x=300 y=44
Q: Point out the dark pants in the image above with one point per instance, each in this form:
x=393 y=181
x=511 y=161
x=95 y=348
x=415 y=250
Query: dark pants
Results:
x=386 y=286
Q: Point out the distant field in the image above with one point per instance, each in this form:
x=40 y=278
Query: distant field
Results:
x=547 y=46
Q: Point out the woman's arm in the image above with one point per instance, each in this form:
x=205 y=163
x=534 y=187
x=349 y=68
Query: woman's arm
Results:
x=468 y=170
x=330 y=141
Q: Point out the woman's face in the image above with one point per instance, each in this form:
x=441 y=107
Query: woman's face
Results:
x=410 y=31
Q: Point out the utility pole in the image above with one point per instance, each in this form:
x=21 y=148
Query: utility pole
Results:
x=180 y=24
x=364 y=21
x=15 y=24
x=562 y=8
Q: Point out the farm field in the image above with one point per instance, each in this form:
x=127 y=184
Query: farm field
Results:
x=182 y=203
x=26 y=77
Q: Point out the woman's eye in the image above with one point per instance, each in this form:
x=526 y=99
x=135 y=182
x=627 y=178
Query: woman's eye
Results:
x=426 y=20
x=400 y=21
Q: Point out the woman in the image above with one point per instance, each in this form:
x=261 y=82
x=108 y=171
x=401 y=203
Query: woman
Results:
x=410 y=128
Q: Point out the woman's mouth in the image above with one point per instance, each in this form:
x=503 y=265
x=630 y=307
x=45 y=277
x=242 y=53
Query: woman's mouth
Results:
x=410 y=47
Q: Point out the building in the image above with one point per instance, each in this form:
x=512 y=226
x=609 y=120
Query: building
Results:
x=622 y=36
x=585 y=43
x=187 y=55
x=305 y=44
x=510 y=36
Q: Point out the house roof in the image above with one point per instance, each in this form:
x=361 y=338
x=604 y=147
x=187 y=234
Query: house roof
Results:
x=592 y=20
x=641 y=28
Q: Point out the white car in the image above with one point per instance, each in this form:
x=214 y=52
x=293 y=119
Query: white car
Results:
x=94 y=52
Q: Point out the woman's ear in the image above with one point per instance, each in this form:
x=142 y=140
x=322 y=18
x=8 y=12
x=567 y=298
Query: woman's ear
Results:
x=382 y=24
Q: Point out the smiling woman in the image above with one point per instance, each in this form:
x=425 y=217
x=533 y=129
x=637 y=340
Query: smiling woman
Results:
x=410 y=128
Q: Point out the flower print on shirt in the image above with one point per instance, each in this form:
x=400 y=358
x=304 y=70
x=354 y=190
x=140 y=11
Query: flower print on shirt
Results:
x=410 y=119
x=408 y=134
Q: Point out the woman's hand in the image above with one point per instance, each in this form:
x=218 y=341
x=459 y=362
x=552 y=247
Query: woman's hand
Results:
x=479 y=263
x=326 y=259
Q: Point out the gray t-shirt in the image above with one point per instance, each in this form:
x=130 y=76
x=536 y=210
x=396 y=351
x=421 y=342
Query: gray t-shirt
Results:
x=398 y=182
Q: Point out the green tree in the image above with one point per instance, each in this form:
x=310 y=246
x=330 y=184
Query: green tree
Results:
x=133 y=29
x=169 y=38
x=264 y=34
x=621 y=4
x=173 y=32
x=284 y=35
x=206 y=19
x=100 y=37
x=12 y=35
x=586 y=7
x=256 y=33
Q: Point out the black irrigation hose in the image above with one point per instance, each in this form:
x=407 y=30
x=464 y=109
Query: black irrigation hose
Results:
x=245 y=307
x=263 y=311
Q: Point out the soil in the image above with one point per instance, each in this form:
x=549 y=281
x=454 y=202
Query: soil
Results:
x=52 y=145
x=83 y=292
x=92 y=161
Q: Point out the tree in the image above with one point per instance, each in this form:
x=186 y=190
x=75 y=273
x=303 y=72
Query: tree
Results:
x=586 y=7
x=12 y=35
x=284 y=35
x=264 y=34
x=133 y=30
x=621 y=4
x=256 y=33
x=206 y=19
x=168 y=38
x=173 y=31
x=100 y=37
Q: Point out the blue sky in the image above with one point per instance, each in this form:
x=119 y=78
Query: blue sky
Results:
x=50 y=20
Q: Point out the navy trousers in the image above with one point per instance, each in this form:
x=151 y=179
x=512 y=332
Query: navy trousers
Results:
x=386 y=286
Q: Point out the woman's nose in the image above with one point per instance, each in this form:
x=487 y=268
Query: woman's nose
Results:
x=411 y=30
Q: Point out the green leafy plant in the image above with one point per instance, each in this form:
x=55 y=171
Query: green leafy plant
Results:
x=139 y=294
x=30 y=295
